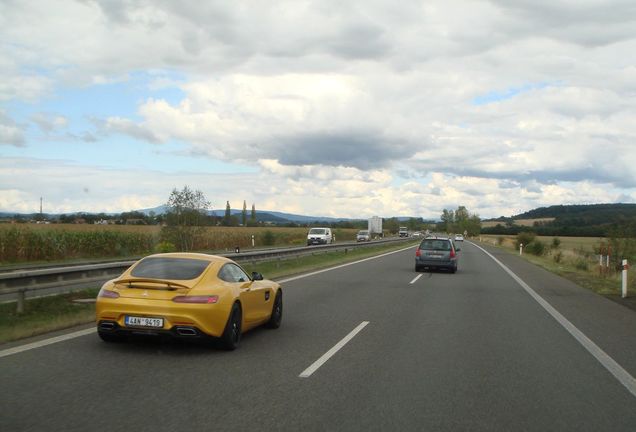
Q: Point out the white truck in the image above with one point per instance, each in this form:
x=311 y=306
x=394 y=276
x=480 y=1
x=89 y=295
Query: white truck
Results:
x=375 y=226
x=403 y=232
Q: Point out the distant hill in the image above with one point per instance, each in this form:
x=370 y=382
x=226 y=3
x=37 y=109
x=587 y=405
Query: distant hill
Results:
x=261 y=215
x=594 y=220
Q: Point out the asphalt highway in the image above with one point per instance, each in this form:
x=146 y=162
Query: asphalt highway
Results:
x=469 y=351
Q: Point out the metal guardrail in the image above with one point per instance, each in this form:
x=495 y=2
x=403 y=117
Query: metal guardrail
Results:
x=19 y=282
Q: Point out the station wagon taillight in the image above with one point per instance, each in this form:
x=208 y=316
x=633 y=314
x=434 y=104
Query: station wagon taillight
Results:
x=418 y=252
x=452 y=254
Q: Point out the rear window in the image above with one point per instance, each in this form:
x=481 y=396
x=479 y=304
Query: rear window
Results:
x=439 y=245
x=317 y=231
x=363 y=232
x=170 y=268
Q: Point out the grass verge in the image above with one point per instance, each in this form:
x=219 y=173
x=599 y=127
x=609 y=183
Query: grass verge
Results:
x=46 y=314
x=608 y=285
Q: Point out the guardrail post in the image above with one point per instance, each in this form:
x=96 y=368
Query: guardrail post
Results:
x=625 y=267
x=21 y=300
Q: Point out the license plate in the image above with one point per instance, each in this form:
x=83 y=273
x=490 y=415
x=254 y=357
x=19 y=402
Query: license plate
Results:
x=134 y=321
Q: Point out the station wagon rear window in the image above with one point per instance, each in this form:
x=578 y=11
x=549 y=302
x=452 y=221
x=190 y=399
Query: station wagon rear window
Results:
x=170 y=268
x=440 y=245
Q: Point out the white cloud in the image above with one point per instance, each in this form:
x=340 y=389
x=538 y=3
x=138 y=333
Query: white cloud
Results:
x=361 y=106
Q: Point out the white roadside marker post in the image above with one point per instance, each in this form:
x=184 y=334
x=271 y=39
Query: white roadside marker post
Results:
x=625 y=267
x=252 y=240
x=520 y=248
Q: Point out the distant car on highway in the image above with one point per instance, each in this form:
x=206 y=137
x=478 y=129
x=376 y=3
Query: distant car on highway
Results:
x=320 y=236
x=363 y=236
x=188 y=296
x=403 y=232
x=459 y=237
x=436 y=253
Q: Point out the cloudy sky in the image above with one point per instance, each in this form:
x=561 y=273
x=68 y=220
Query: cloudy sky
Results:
x=347 y=109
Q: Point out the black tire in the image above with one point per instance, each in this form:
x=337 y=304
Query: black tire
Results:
x=417 y=268
x=231 y=337
x=111 y=337
x=454 y=270
x=277 y=312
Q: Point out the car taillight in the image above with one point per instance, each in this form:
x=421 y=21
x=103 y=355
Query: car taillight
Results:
x=418 y=252
x=196 y=299
x=452 y=254
x=108 y=294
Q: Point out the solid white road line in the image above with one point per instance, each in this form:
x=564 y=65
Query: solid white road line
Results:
x=416 y=278
x=326 y=356
x=608 y=363
x=50 y=341
x=21 y=348
x=293 y=278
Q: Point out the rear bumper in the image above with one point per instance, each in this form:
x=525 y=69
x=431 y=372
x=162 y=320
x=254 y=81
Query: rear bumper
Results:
x=177 y=331
x=208 y=319
x=450 y=264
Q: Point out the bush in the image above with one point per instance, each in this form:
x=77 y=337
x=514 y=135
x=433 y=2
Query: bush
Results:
x=268 y=238
x=165 y=247
x=500 y=240
x=581 y=264
x=536 y=247
x=556 y=242
x=558 y=257
x=525 y=238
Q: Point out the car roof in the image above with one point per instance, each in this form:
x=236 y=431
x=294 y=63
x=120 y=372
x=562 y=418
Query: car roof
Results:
x=192 y=255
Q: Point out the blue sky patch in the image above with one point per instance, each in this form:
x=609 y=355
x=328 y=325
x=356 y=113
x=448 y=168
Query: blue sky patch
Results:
x=509 y=93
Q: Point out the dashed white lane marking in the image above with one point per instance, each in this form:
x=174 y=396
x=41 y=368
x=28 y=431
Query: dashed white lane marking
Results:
x=45 y=342
x=326 y=356
x=416 y=278
x=603 y=358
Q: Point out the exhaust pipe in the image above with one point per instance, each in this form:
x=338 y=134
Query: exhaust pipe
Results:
x=106 y=325
x=186 y=331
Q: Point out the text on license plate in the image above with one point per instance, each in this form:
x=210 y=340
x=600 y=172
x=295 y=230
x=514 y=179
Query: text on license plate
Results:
x=144 y=322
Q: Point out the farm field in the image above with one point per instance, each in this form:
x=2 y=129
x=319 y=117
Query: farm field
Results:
x=39 y=243
x=518 y=222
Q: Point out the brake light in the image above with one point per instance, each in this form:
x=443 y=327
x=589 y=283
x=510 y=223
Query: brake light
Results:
x=108 y=294
x=418 y=252
x=452 y=254
x=196 y=299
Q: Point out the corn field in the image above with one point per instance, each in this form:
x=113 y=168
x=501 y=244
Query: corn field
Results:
x=60 y=242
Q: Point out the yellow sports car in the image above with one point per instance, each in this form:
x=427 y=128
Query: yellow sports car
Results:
x=187 y=295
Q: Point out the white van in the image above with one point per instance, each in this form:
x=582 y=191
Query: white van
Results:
x=320 y=236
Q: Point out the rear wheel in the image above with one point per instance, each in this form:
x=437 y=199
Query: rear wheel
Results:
x=231 y=337
x=277 y=312
x=417 y=268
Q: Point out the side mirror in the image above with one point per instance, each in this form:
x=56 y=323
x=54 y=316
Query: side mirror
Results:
x=257 y=276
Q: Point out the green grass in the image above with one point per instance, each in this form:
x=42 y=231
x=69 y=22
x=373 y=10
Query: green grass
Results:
x=46 y=314
x=282 y=268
